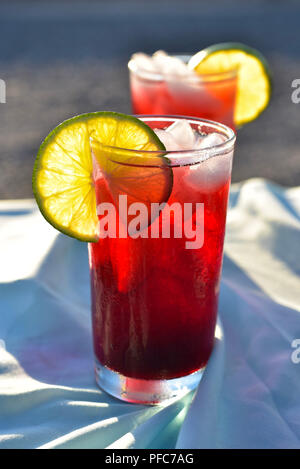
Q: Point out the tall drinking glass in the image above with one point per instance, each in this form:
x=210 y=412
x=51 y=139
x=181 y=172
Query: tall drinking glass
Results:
x=209 y=96
x=155 y=282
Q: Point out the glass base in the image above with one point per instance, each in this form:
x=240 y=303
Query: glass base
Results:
x=144 y=391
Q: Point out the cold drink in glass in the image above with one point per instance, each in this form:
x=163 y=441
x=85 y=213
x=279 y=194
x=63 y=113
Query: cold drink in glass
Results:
x=155 y=282
x=174 y=91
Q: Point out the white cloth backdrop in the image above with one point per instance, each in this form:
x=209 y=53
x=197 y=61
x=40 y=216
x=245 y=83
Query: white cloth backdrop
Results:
x=249 y=396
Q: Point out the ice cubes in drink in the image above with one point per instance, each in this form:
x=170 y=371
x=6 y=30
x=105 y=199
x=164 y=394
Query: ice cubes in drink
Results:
x=183 y=133
x=178 y=137
x=211 y=140
x=168 y=140
x=144 y=62
x=169 y=65
x=205 y=170
x=161 y=63
x=213 y=171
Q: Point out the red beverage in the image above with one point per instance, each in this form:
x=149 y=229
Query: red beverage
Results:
x=154 y=301
x=210 y=97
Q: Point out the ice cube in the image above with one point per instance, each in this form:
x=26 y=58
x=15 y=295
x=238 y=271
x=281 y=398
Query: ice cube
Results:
x=161 y=63
x=210 y=140
x=159 y=57
x=168 y=65
x=211 y=173
x=198 y=140
x=167 y=139
x=144 y=62
x=183 y=134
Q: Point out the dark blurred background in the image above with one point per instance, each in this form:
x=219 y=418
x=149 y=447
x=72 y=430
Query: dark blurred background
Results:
x=61 y=58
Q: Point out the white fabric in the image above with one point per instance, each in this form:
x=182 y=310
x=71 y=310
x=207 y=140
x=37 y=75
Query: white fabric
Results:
x=249 y=396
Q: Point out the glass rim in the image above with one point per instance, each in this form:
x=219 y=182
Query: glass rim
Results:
x=199 y=77
x=206 y=152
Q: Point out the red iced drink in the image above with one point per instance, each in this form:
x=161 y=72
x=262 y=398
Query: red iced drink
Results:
x=208 y=96
x=154 y=301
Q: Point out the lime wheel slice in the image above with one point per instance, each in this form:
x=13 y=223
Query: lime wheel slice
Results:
x=254 y=86
x=63 y=172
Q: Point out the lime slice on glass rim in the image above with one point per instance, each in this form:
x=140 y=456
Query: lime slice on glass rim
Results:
x=254 y=87
x=63 y=172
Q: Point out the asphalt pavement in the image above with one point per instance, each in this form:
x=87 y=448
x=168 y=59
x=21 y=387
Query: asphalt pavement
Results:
x=59 y=59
